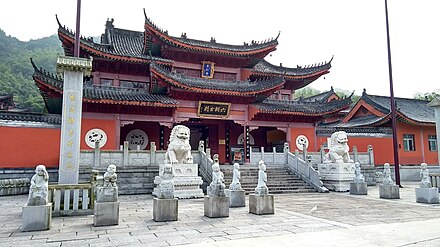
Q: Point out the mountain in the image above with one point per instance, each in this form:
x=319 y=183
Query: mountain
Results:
x=16 y=69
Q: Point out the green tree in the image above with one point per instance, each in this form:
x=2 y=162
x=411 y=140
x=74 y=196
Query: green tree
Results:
x=16 y=70
x=427 y=96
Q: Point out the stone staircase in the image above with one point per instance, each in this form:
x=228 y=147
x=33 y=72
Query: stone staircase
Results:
x=279 y=179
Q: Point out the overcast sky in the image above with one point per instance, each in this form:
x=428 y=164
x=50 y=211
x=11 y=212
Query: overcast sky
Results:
x=312 y=31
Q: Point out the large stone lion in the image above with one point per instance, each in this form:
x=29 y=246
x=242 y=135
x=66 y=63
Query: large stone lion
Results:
x=179 y=149
x=338 y=152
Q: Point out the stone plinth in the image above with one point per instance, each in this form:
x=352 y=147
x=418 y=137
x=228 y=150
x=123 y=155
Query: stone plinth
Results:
x=358 y=188
x=106 y=194
x=427 y=195
x=237 y=198
x=216 y=206
x=36 y=218
x=337 y=176
x=186 y=181
x=165 y=209
x=389 y=191
x=106 y=214
x=261 y=204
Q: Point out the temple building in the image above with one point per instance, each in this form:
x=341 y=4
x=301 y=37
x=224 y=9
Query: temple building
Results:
x=369 y=122
x=231 y=98
x=144 y=83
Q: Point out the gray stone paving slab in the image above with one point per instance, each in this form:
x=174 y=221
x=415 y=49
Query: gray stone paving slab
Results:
x=339 y=218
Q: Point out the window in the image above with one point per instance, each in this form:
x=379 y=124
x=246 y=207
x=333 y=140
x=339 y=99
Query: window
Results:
x=133 y=84
x=106 y=82
x=432 y=142
x=408 y=142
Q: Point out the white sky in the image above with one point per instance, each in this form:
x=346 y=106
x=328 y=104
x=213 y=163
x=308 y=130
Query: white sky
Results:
x=311 y=32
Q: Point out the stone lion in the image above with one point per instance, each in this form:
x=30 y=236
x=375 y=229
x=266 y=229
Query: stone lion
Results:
x=338 y=152
x=179 y=149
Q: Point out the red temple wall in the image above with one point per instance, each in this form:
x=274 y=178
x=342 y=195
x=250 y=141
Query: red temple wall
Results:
x=151 y=129
x=27 y=147
x=421 y=153
x=309 y=132
x=107 y=125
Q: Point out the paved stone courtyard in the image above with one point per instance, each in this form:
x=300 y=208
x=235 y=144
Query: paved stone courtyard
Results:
x=342 y=219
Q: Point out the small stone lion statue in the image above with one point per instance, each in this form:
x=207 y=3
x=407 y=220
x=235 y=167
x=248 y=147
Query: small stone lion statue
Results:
x=179 y=149
x=110 y=176
x=38 y=191
x=338 y=152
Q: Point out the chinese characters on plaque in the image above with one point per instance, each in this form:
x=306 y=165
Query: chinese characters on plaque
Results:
x=213 y=109
x=207 y=69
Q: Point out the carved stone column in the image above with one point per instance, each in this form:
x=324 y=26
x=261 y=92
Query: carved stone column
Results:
x=74 y=70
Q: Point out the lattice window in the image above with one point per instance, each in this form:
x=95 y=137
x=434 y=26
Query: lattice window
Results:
x=408 y=142
x=432 y=142
x=133 y=84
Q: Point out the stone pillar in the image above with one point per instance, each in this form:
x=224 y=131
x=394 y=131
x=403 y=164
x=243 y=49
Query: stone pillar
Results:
x=74 y=70
x=435 y=103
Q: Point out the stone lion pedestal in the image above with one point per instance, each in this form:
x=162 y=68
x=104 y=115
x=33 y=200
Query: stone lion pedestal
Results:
x=261 y=202
x=388 y=190
x=236 y=194
x=216 y=203
x=358 y=186
x=337 y=170
x=426 y=193
x=106 y=209
x=36 y=218
x=166 y=206
x=337 y=176
x=165 y=209
x=186 y=174
x=237 y=198
x=37 y=213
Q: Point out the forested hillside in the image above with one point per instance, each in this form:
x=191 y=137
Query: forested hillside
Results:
x=16 y=69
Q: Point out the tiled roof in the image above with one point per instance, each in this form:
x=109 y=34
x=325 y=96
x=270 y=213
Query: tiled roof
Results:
x=211 y=46
x=305 y=108
x=118 y=95
x=115 y=43
x=267 y=68
x=30 y=117
x=322 y=97
x=216 y=86
x=368 y=120
x=413 y=109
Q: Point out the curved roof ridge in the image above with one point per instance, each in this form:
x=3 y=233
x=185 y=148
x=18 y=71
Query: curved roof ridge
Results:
x=254 y=46
x=266 y=67
x=121 y=47
x=218 y=86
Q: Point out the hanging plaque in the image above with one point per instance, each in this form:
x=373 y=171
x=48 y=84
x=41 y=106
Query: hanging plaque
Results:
x=213 y=109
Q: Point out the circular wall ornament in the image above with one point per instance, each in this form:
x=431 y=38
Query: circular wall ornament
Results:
x=95 y=135
x=240 y=139
x=137 y=137
x=302 y=142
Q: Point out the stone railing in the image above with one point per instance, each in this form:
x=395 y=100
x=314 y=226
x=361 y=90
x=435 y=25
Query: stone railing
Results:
x=269 y=158
x=305 y=170
x=205 y=165
x=435 y=179
x=72 y=199
x=14 y=186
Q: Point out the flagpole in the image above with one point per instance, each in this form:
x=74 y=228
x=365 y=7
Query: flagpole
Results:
x=393 y=104
x=77 y=33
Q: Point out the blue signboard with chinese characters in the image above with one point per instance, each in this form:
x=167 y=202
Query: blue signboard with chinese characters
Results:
x=207 y=69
